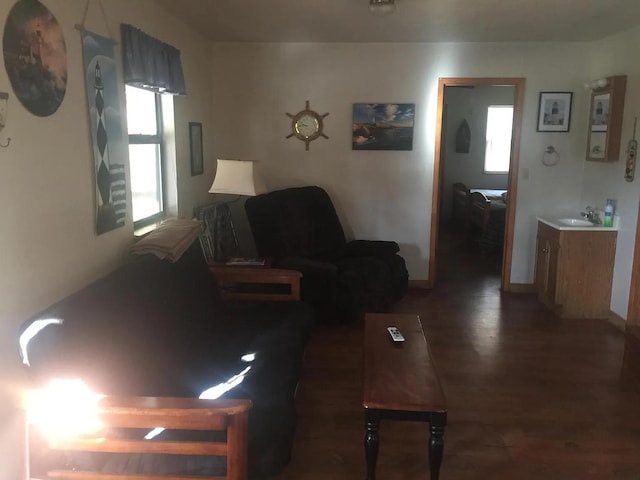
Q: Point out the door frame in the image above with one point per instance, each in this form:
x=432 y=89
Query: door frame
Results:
x=518 y=105
x=633 y=311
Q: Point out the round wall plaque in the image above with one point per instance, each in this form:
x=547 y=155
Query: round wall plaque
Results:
x=35 y=57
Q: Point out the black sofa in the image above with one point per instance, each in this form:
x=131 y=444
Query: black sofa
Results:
x=299 y=229
x=153 y=328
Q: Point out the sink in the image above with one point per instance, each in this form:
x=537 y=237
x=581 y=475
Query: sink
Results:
x=575 y=222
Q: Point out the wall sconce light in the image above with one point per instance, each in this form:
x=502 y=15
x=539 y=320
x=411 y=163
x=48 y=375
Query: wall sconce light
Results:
x=64 y=408
x=4 y=99
x=382 y=6
x=597 y=83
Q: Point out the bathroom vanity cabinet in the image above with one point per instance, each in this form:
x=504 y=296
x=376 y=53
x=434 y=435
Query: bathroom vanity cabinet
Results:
x=574 y=270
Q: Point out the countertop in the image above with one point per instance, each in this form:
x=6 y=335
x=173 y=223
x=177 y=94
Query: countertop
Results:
x=553 y=222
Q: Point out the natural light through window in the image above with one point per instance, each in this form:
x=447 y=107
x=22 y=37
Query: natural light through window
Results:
x=145 y=153
x=498 y=147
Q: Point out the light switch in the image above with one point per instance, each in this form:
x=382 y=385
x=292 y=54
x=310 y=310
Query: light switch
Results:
x=4 y=97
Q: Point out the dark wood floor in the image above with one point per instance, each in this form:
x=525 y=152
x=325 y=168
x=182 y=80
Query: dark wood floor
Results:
x=530 y=396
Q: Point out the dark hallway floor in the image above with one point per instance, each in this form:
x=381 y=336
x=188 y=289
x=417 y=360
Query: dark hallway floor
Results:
x=530 y=396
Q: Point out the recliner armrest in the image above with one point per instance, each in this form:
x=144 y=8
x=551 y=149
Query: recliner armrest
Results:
x=306 y=265
x=319 y=283
x=371 y=248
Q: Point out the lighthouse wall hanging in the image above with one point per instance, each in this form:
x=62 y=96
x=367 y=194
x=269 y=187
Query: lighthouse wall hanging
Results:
x=109 y=149
x=35 y=57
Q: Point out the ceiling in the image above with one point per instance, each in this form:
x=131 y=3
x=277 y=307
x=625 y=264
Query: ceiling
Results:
x=413 y=20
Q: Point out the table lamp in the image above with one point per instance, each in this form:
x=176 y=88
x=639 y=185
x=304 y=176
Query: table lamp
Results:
x=233 y=177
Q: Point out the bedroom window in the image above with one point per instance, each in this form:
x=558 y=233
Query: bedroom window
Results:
x=144 y=114
x=498 y=147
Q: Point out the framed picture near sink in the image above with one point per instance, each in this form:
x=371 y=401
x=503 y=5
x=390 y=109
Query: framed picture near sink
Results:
x=554 y=111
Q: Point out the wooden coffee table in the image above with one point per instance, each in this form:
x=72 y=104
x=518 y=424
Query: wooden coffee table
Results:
x=400 y=383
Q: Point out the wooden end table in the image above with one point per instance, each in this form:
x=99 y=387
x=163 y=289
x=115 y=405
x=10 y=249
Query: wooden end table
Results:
x=231 y=278
x=400 y=383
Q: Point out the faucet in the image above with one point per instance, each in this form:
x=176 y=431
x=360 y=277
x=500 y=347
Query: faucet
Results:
x=590 y=215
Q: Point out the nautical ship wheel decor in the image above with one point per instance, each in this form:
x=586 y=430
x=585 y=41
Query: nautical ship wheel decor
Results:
x=307 y=125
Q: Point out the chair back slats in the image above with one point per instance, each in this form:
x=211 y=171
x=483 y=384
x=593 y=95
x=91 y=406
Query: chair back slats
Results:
x=77 y=475
x=189 y=409
x=189 y=419
x=105 y=445
x=480 y=209
x=237 y=441
x=170 y=413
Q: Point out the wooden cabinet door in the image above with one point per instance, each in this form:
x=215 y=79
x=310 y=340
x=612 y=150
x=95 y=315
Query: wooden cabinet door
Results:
x=574 y=271
x=547 y=254
x=553 y=255
x=542 y=264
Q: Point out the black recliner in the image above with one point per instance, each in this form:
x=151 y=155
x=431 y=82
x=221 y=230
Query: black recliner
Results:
x=298 y=228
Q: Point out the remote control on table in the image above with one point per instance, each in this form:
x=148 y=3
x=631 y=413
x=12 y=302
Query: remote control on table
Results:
x=396 y=336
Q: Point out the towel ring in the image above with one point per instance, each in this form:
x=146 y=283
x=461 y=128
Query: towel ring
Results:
x=550 y=156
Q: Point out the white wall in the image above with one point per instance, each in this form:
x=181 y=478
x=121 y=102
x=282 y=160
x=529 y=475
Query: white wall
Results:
x=387 y=195
x=472 y=105
x=606 y=180
x=49 y=248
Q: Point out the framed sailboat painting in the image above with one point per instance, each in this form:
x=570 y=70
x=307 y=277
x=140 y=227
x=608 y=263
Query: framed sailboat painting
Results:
x=383 y=126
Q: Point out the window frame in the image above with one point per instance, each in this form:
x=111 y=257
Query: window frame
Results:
x=486 y=142
x=157 y=139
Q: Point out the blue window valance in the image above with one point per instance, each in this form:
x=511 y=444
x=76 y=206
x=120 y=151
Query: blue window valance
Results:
x=149 y=63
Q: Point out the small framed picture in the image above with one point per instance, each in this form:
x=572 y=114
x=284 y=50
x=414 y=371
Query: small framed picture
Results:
x=554 y=111
x=600 y=112
x=195 y=142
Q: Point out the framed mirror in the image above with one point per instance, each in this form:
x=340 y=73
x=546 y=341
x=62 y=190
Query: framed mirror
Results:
x=605 y=119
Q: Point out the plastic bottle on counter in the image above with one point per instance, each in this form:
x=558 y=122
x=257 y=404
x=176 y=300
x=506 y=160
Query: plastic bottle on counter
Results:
x=608 y=214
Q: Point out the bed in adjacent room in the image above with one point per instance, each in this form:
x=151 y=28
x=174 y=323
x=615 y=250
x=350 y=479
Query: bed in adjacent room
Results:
x=481 y=210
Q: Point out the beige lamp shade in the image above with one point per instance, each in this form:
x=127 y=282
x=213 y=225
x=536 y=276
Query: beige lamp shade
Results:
x=237 y=177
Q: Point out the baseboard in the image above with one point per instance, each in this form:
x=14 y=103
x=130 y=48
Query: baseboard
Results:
x=513 y=287
x=419 y=284
x=522 y=288
x=617 y=321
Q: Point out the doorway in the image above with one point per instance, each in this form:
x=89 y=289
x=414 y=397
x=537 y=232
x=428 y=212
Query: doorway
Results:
x=439 y=190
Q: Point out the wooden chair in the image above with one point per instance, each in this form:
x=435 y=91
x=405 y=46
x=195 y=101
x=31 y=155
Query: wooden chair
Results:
x=480 y=210
x=170 y=413
x=461 y=207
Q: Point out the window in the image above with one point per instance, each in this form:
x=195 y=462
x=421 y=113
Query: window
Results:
x=498 y=147
x=144 y=113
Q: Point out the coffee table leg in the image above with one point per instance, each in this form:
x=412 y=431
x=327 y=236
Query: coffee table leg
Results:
x=372 y=423
x=436 y=443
